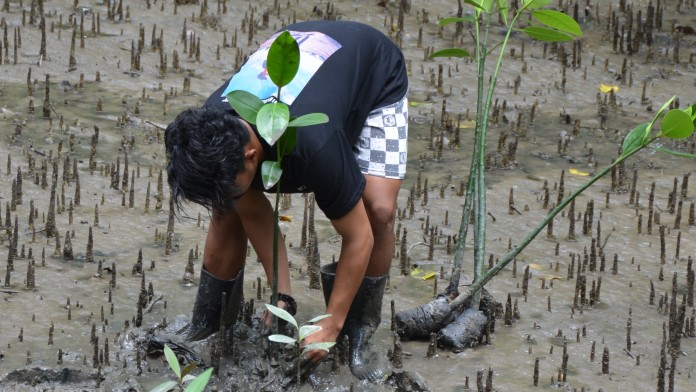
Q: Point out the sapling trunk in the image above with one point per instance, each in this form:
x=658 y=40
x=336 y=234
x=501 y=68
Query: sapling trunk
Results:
x=274 y=281
x=276 y=235
x=472 y=181
x=482 y=112
x=479 y=156
x=461 y=239
x=298 y=358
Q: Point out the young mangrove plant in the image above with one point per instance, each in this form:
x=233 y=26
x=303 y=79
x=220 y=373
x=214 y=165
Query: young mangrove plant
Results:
x=275 y=125
x=545 y=25
x=553 y=26
x=303 y=332
x=195 y=384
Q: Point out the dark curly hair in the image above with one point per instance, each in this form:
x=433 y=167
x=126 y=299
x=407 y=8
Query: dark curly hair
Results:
x=205 y=151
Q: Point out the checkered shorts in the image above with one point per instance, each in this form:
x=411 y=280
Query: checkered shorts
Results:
x=382 y=143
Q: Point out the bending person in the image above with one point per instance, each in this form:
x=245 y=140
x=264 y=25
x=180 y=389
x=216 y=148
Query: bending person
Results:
x=354 y=164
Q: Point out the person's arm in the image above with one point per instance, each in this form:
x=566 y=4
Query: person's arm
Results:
x=356 y=247
x=257 y=218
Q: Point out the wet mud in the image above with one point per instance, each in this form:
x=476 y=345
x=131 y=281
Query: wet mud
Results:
x=102 y=274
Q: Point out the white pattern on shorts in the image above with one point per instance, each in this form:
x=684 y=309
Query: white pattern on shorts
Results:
x=382 y=145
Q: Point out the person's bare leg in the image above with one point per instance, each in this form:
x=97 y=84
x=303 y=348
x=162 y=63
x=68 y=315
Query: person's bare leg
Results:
x=225 y=246
x=379 y=198
x=364 y=315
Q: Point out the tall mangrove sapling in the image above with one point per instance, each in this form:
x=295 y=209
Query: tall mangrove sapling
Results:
x=549 y=26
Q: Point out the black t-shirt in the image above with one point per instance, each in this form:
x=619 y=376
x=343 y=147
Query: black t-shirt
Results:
x=347 y=69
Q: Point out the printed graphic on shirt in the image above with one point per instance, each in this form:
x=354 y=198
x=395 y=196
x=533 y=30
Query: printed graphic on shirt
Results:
x=315 y=49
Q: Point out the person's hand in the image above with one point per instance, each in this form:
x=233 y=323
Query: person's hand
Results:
x=267 y=317
x=266 y=323
x=328 y=333
x=312 y=359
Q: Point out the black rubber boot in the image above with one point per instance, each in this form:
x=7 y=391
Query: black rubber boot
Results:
x=361 y=322
x=208 y=306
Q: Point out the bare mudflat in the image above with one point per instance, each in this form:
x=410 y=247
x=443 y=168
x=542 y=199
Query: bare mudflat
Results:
x=600 y=301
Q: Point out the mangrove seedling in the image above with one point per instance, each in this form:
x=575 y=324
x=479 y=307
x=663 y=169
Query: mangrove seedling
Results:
x=195 y=384
x=303 y=331
x=275 y=125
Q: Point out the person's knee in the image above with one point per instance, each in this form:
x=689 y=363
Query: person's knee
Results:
x=382 y=216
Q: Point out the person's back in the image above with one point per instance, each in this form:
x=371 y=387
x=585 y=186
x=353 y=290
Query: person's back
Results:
x=347 y=69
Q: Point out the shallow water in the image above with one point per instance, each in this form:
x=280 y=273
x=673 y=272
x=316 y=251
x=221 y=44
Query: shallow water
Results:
x=123 y=231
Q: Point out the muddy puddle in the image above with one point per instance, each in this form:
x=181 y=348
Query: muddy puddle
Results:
x=75 y=329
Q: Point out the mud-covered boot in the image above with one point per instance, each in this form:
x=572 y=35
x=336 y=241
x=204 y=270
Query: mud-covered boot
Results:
x=361 y=322
x=208 y=306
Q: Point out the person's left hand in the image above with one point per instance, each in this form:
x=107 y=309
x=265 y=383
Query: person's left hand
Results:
x=267 y=319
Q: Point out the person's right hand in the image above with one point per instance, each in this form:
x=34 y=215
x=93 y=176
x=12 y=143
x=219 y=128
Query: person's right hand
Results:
x=328 y=333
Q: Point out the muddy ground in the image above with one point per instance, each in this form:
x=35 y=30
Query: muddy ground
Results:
x=48 y=331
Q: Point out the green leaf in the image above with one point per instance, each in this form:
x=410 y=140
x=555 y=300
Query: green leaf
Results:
x=309 y=119
x=676 y=153
x=487 y=5
x=165 y=386
x=326 y=346
x=282 y=339
x=536 y=4
x=691 y=111
x=451 y=52
x=307 y=330
x=187 y=369
x=658 y=115
x=448 y=21
x=281 y=313
x=558 y=20
x=323 y=316
x=475 y=3
x=283 y=59
x=503 y=10
x=677 y=124
x=546 y=34
x=634 y=139
x=481 y=5
x=287 y=142
x=664 y=107
x=270 y=175
x=272 y=121
x=172 y=361
x=199 y=384
x=246 y=104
